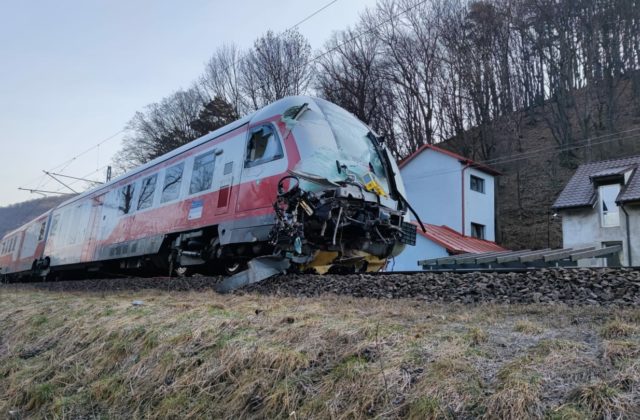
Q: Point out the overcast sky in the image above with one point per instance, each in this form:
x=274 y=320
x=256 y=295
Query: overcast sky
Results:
x=73 y=72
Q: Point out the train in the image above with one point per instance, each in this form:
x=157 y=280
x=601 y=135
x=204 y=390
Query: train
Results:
x=301 y=180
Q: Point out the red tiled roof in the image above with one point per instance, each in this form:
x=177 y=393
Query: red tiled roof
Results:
x=462 y=159
x=456 y=243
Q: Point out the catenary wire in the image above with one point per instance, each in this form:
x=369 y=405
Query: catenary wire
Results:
x=61 y=167
x=522 y=156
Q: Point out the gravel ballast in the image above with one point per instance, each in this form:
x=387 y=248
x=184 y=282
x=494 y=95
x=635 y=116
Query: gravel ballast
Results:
x=602 y=286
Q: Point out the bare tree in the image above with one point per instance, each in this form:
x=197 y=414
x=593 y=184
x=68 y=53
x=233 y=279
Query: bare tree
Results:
x=407 y=31
x=162 y=127
x=221 y=78
x=278 y=65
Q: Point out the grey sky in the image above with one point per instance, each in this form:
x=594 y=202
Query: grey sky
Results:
x=73 y=72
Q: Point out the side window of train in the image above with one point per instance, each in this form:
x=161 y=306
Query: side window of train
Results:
x=202 y=175
x=263 y=146
x=43 y=225
x=54 y=225
x=172 y=182
x=125 y=197
x=146 y=192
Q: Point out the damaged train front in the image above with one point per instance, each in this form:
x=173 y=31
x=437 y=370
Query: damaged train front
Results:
x=342 y=207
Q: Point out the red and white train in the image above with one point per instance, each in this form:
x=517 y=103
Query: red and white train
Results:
x=301 y=179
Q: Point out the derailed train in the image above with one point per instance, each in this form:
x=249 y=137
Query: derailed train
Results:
x=301 y=180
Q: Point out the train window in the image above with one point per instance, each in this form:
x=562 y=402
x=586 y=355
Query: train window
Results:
x=354 y=140
x=125 y=197
x=146 y=192
x=172 y=182
x=54 y=225
x=43 y=225
x=202 y=176
x=263 y=146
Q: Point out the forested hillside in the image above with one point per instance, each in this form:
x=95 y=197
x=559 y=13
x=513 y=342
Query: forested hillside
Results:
x=533 y=87
x=15 y=215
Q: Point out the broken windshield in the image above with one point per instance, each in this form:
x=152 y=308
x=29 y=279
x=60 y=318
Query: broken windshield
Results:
x=356 y=150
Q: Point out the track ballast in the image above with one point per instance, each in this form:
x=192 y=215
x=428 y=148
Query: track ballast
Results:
x=595 y=286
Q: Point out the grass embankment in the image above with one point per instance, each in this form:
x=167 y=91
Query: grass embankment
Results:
x=202 y=354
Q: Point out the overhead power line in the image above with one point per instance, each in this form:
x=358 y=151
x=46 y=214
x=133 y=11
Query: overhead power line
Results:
x=313 y=14
x=62 y=166
x=65 y=164
x=605 y=139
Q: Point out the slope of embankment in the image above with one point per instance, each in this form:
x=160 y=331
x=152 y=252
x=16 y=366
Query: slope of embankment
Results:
x=79 y=354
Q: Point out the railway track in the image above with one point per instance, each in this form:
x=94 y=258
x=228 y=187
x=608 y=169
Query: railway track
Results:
x=598 y=286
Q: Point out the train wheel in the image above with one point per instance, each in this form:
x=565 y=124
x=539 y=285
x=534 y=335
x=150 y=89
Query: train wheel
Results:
x=233 y=267
x=183 y=272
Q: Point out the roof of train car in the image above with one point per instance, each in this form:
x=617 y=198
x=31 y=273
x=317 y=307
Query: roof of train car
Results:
x=259 y=115
x=277 y=107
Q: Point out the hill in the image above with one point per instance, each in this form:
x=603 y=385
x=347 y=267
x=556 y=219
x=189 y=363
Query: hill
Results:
x=16 y=215
x=536 y=167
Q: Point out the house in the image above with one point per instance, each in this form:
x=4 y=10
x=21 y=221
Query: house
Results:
x=455 y=199
x=447 y=189
x=600 y=206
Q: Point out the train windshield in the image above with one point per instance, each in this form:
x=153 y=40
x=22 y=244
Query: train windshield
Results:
x=356 y=150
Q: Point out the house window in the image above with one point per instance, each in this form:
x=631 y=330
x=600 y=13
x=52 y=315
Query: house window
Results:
x=172 y=182
x=146 y=192
x=477 y=230
x=202 y=175
x=477 y=184
x=609 y=210
x=263 y=147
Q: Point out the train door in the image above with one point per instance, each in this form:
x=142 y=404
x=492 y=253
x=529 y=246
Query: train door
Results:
x=264 y=161
x=225 y=188
x=30 y=241
x=88 y=251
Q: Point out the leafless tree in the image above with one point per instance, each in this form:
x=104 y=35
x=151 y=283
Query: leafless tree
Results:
x=162 y=127
x=278 y=65
x=221 y=78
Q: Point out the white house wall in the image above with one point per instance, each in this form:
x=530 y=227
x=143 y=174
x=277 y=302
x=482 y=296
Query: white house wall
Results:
x=433 y=183
x=408 y=259
x=479 y=207
x=582 y=228
x=634 y=223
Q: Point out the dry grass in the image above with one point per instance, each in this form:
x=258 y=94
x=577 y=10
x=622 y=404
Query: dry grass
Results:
x=527 y=327
x=602 y=400
x=617 y=329
x=192 y=355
